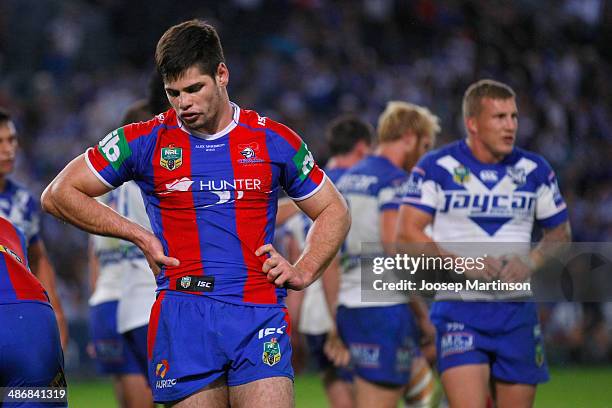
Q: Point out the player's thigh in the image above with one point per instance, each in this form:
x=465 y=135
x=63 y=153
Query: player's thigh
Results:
x=272 y=392
x=368 y=394
x=135 y=391
x=339 y=393
x=512 y=395
x=467 y=385
x=214 y=395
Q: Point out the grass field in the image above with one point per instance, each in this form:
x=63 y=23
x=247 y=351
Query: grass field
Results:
x=576 y=387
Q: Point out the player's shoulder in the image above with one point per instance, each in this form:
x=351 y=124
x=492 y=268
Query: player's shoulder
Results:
x=276 y=130
x=543 y=169
x=149 y=128
x=430 y=159
x=537 y=158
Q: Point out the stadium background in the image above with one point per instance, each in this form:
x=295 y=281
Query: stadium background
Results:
x=69 y=69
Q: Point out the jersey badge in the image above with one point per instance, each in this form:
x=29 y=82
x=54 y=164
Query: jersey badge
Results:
x=272 y=352
x=461 y=175
x=517 y=175
x=171 y=157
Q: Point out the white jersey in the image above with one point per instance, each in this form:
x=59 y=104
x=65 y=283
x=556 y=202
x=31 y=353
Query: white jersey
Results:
x=137 y=293
x=372 y=186
x=109 y=254
x=472 y=202
x=314 y=315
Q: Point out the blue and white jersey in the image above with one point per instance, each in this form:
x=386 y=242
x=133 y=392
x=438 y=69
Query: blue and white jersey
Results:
x=372 y=186
x=473 y=202
x=109 y=254
x=18 y=206
x=138 y=283
x=314 y=314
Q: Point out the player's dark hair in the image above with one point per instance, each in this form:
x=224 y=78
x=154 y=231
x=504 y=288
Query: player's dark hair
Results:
x=345 y=132
x=192 y=43
x=485 y=88
x=5 y=116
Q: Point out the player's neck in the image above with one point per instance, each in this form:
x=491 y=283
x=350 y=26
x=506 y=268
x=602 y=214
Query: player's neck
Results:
x=391 y=152
x=482 y=153
x=2 y=183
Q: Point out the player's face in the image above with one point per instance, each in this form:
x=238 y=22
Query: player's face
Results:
x=496 y=125
x=8 y=147
x=198 y=98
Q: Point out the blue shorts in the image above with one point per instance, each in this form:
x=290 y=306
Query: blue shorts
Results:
x=30 y=350
x=515 y=355
x=194 y=340
x=136 y=341
x=382 y=342
x=113 y=354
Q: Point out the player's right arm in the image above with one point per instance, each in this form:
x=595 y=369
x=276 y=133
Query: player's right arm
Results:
x=70 y=197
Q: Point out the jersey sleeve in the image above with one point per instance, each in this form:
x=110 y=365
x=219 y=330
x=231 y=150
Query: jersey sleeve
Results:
x=420 y=191
x=301 y=177
x=390 y=196
x=551 y=209
x=113 y=160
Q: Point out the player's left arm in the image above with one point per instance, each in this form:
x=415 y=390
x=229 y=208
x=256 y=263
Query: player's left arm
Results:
x=42 y=268
x=331 y=218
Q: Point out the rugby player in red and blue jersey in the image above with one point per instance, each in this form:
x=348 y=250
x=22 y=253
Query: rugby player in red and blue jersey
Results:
x=30 y=348
x=210 y=173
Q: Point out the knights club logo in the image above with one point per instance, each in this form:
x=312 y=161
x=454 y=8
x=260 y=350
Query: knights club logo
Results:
x=249 y=153
x=272 y=352
x=171 y=157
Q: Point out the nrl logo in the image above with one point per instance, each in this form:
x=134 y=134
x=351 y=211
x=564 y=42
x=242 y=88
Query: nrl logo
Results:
x=171 y=157
x=272 y=353
x=461 y=175
x=517 y=175
x=185 y=282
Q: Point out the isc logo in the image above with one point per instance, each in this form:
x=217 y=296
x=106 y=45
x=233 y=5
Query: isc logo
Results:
x=270 y=330
x=110 y=147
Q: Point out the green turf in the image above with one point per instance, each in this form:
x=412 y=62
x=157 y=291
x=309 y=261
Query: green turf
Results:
x=575 y=387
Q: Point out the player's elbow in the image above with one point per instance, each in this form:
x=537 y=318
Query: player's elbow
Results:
x=344 y=216
x=49 y=197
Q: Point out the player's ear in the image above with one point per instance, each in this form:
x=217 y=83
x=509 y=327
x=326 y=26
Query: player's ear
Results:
x=222 y=75
x=471 y=124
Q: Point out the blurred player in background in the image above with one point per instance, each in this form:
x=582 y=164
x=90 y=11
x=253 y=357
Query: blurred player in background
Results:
x=482 y=341
x=349 y=139
x=112 y=352
x=124 y=285
x=383 y=338
x=210 y=174
x=18 y=205
x=30 y=350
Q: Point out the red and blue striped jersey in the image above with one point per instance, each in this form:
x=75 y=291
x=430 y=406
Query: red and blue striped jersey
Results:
x=17 y=283
x=211 y=201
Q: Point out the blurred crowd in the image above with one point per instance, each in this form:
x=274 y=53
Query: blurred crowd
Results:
x=69 y=69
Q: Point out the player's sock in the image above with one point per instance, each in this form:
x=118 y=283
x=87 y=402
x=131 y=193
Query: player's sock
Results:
x=421 y=388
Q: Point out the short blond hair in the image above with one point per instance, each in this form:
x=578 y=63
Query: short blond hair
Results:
x=485 y=88
x=400 y=117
